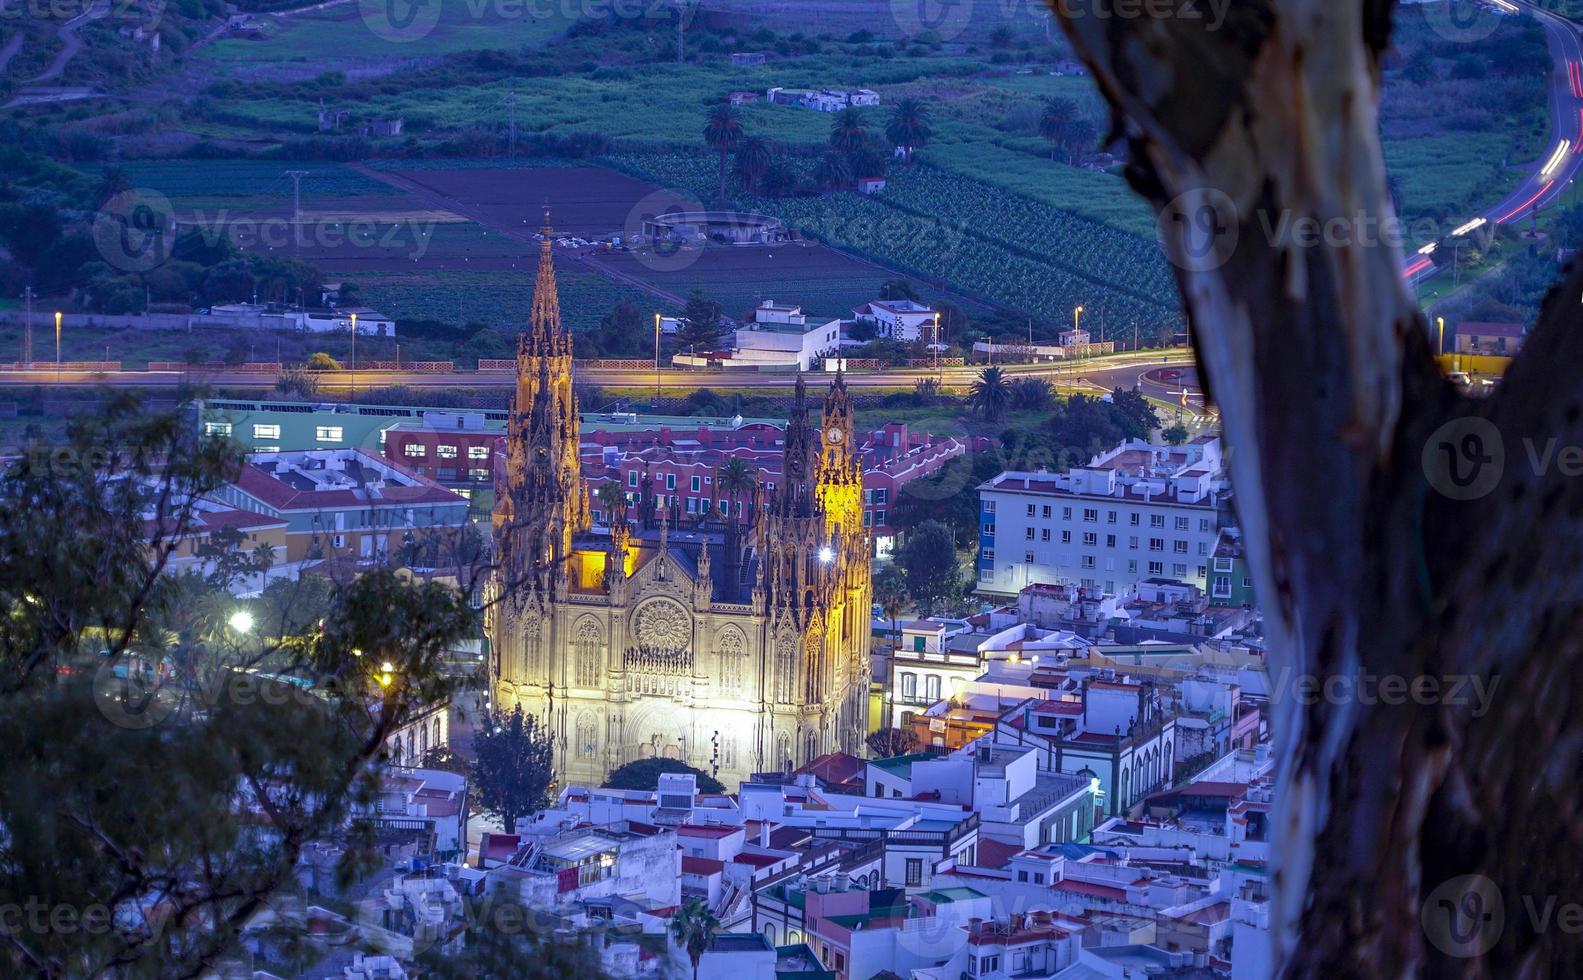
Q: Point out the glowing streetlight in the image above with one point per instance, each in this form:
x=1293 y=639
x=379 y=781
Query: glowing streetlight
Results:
x=57 y=345
x=387 y=674
x=1440 y=324
x=827 y=554
x=241 y=621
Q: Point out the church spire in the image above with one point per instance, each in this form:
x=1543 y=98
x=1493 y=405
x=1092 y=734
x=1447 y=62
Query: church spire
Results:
x=540 y=502
x=545 y=336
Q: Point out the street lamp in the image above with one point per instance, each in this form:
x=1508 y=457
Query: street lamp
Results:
x=241 y=621
x=57 y=345
x=1440 y=346
x=354 y=357
x=387 y=674
x=827 y=554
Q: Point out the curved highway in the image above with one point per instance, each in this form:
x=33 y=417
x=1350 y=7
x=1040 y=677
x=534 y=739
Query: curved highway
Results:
x=1555 y=171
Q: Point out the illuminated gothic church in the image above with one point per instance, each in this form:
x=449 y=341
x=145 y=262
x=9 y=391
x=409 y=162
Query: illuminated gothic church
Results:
x=734 y=652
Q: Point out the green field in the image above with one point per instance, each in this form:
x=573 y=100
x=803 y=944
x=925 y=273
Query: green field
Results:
x=341 y=32
x=500 y=299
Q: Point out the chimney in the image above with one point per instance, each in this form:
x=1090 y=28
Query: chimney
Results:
x=764 y=833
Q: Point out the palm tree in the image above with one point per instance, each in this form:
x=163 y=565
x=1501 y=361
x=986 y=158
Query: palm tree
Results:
x=694 y=927
x=909 y=126
x=734 y=479
x=723 y=132
x=991 y=393
x=1054 y=120
x=1031 y=394
x=848 y=132
x=612 y=498
x=832 y=172
x=753 y=160
x=890 y=593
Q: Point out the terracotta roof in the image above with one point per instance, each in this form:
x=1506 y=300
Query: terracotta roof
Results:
x=703 y=830
x=702 y=866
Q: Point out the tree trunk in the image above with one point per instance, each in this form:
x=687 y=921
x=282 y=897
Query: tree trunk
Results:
x=1395 y=529
x=721 y=200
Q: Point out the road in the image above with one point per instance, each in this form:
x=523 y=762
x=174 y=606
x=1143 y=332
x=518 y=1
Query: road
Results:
x=1555 y=171
x=70 y=45
x=1097 y=376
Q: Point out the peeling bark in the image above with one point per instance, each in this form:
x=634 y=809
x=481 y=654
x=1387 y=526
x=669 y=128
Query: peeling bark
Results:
x=1343 y=440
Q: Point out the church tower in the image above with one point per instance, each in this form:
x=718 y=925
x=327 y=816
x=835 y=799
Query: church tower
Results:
x=539 y=499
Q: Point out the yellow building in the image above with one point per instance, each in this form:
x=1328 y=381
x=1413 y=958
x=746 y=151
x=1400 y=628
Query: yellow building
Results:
x=735 y=651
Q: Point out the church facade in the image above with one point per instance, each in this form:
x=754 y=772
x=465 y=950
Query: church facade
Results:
x=736 y=649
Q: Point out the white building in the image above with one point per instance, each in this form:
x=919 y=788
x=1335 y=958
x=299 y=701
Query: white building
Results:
x=898 y=319
x=790 y=345
x=1138 y=511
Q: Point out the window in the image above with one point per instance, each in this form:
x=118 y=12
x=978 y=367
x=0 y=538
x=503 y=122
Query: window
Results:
x=1022 y=874
x=1046 y=511
x=692 y=503
x=1156 y=568
x=1179 y=547
x=1090 y=539
x=327 y=433
x=882 y=495
x=1030 y=510
x=1110 y=540
x=266 y=432
x=632 y=478
x=217 y=428
x=415 y=450
x=479 y=475
x=879 y=516
x=1222 y=587
x=1066 y=513
x=1181 y=523
x=1222 y=564
x=868 y=497
x=1203 y=524
x=697 y=484
x=868 y=519
x=989 y=529
x=989 y=555
x=986 y=575
x=1066 y=537
x=445 y=452
x=1203 y=549
x=1132 y=542
x=477 y=452
x=1027 y=534
x=1044 y=535
x=931 y=686
x=1088 y=561
x=1090 y=515
x=670 y=481
x=1156 y=520
x=1132 y=566
x=987 y=965
x=1179 y=570
x=1110 y=517
x=914 y=872
x=989 y=507
x=1156 y=544
x=1027 y=558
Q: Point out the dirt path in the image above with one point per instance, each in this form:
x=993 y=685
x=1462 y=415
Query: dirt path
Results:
x=70 y=45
